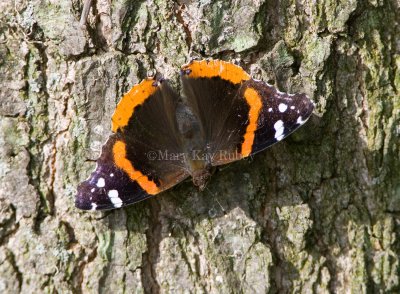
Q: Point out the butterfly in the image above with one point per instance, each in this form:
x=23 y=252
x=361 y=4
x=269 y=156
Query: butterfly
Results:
x=161 y=138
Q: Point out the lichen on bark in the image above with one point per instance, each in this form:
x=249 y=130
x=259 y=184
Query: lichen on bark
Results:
x=319 y=212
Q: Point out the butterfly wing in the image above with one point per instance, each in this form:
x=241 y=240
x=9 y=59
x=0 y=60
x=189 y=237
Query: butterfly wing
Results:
x=212 y=90
x=239 y=116
x=143 y=157
x=280 y=115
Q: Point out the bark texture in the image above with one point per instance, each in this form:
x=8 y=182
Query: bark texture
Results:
x=319 y=212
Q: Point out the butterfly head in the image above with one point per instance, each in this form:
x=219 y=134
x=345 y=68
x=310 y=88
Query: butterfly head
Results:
x=201 y=177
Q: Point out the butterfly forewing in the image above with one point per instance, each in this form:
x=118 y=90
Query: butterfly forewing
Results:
x=134 y=164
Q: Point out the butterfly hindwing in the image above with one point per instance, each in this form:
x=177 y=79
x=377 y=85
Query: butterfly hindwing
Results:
x=212 y=90
x=133 y=165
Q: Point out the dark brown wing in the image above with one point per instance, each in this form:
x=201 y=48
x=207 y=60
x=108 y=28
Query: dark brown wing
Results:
x=279 y=116
x=239 y=116
x=212 y=91
x=143 y=157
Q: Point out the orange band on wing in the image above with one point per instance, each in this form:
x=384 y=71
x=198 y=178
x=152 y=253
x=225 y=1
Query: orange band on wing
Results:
x=255 y=103
x=216 y=68
x=136 y=96
x=119 y=152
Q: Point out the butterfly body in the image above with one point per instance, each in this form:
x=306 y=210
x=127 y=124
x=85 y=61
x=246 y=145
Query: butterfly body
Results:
x=161 y=137
x=196 y=159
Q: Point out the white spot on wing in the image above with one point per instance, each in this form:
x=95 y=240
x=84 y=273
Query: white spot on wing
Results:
x=111 y=175
x=94 y=205
x=270 y=109
x=279 y=130
x=300 y=121
x=113 y=193
x=92 y=190
x=282 y=107
x=278 y=125
x=292 y=107
x=101 y=183
x=116 y=201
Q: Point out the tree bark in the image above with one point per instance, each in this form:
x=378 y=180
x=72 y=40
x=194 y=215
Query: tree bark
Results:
x=318 y=212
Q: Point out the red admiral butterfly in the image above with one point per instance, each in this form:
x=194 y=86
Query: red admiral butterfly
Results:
x=160 y=138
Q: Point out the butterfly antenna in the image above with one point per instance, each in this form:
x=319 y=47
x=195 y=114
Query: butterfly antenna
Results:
x=216 y=199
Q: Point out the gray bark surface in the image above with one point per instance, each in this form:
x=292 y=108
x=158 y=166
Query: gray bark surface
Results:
x=318 y=212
